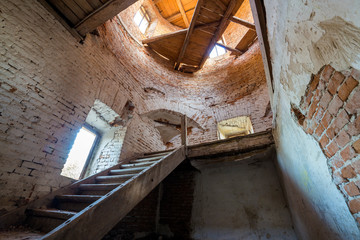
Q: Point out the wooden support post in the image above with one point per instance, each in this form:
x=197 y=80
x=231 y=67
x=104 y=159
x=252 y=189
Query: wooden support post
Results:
x=184 y=132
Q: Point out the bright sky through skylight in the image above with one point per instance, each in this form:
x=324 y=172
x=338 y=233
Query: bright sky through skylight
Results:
x=78 y=154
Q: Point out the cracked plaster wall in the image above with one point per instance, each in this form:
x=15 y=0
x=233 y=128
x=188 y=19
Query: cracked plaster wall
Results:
x=303 y=37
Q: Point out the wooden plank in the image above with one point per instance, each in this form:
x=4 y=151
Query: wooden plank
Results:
x=188 y=33
x=183 y=14
x=64 y=11
x=258 y=13
x=246 y=41
x=95 y=4
x=85 y=6
x=176 y=33
x=177 y=15
x=66 y=25
x=184 y=130
x=235 y=51
x=75 y=8
x=233 y=145
x=102 y=14
x=219 y=31
x=117 y=203
x=242 y=22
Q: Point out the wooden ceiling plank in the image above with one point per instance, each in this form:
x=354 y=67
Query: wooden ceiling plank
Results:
x=156 y=1
x=65 y=11
x=246 y=40
x=179 y=32
x=183 y=14
x=219 y=31
x=177 y=15
x=235 y=51
x=102 y=14
x=242 y=22
x=51 y=9
x=221 y=5
x=80 y=13
x=189 y=32
x=85 y=6
x=259 y=16
x=95 y=4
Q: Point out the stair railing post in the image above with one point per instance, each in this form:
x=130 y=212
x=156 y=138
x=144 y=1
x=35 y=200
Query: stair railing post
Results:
x=184 y=132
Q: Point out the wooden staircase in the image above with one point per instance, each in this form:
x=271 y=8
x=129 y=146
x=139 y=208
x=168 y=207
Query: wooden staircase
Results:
x=89 y=208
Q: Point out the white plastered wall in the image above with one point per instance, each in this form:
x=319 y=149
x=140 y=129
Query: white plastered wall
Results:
x=303 y=37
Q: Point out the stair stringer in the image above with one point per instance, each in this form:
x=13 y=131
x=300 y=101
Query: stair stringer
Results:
x=100 y=217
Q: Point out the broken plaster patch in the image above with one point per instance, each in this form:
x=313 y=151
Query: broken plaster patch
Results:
x=312 y=45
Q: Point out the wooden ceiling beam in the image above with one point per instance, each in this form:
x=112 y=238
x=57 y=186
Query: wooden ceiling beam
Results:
x=177 y=15
x=235 y=51
x=156 y=1
x=101 y=15
x=183 y=13
x=188 y=33
x=219 y=31
x=179 y=32
x=242 y=22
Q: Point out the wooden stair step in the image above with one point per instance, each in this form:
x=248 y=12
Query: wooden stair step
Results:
x=112 y=178
x=126 y=171
x=129 y=170
x=159 y=152
x=51 y=213
x=130 y=165
x=78 y=198
x=108 y=186
x=146 y=159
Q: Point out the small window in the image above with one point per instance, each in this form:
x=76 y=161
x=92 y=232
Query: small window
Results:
x=79 y=153
x=142 y=19
x=234 y=127
x=218 y=50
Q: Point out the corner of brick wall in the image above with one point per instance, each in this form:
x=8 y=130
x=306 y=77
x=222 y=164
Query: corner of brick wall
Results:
x=330 y=112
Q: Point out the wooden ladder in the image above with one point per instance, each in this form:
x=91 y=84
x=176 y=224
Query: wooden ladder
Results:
x=90 y=208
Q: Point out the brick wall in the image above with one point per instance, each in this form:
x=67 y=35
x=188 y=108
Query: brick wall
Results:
x=330 y=112
x=48 y=84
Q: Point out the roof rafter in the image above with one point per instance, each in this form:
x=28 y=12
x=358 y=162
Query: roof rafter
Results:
x=183 y=13
x=188 y=33
x=219 y=31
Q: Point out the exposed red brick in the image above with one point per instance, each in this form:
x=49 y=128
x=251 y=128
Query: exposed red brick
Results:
x=343 y=138
x=348 y=172
x=347 y=87
x=332 y=148
x=338 y=179
x=354 y=127
x=337 y=161
x=353 y=103
x=319 y=130
x=325 y=121
x=335 y=81
x=356 y=165
x=312 y=108
x=325 y=99
x=352 y=189
x=335 y=105
x=354 y=205
x=324 y=141
x=314 y=82
x=326 y=73
x=348 y=153
x=356 y=146
x=318 y=115
x=330 y=132
x=356 y=74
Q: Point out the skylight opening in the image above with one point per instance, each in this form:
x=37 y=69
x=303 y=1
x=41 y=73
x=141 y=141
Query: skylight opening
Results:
x=218 y=50
x=142 y=19
x=79 y=153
